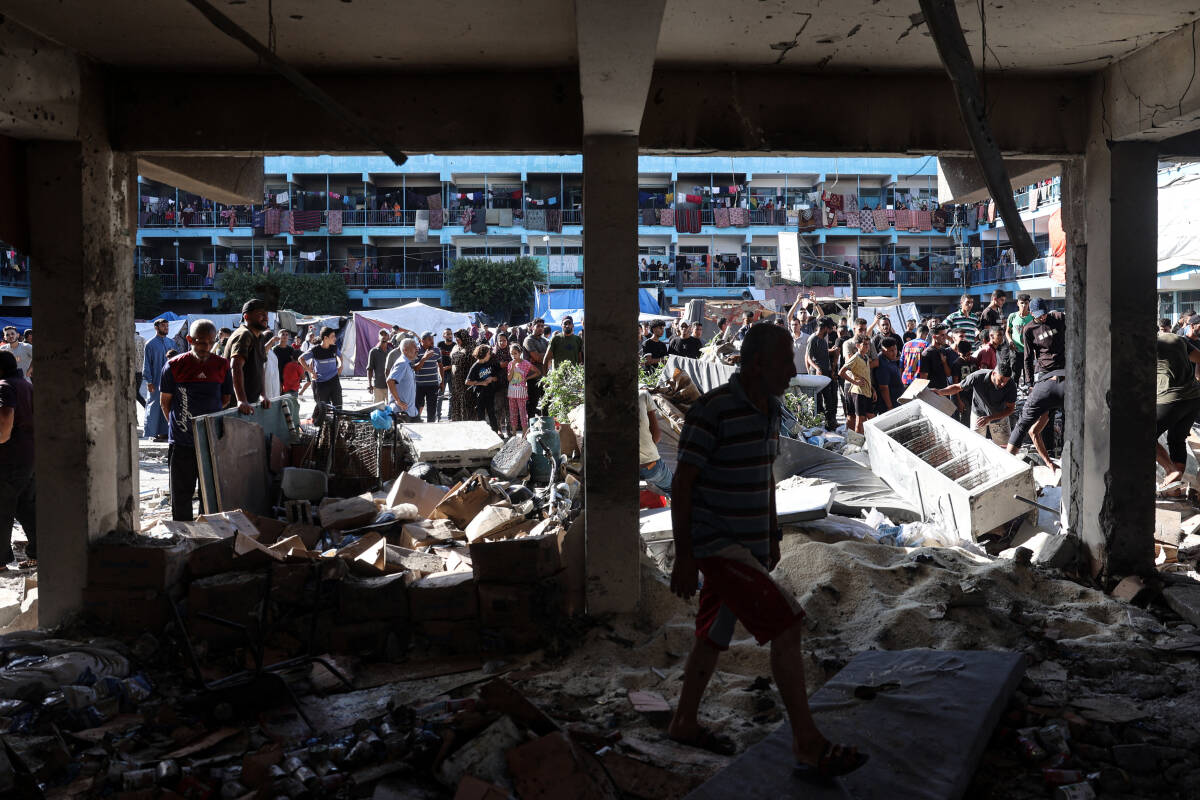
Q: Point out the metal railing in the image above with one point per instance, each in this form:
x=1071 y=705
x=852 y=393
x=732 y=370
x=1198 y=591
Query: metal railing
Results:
x=14 y=278
x=394 y=280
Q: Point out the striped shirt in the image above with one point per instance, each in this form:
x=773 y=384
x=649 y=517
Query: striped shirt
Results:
x=430 y=375
x=734 y=445
x=910 y=357
x=967 y=323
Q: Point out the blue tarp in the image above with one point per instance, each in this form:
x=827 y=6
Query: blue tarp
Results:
x=22 y=324
x=553 y=304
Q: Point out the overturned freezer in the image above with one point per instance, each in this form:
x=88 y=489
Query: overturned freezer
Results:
x=959 y=478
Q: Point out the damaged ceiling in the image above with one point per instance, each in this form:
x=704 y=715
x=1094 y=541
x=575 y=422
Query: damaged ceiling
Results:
x=355 y=35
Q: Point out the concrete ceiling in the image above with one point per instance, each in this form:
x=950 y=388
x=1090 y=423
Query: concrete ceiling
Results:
x=1066 y=36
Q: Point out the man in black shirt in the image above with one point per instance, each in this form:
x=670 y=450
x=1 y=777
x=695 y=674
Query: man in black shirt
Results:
x=993 y=399
x=684 y=344
x=654 y=351
x=1046 y=346
x=939 y=361
x=993 y=316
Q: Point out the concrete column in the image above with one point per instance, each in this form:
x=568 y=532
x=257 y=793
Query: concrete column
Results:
x=82 y=208
x=610 y=319
x=1113 y=386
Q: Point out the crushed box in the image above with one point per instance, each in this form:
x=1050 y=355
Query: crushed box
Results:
x=446 y=595
x=523 y=560
x=379 y=598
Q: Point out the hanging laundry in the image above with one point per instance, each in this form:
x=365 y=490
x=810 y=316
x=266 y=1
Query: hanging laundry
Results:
x=479 y=222
x=271 y=222
x=281 y=198
x=554 y=221
x=880 y=219
x=694 y=198
x=666 y=216
x=212 y=270
x=649 y=217
x=506 y=218
x=535 y=219
x=308 y=220
x=434 y=201
x=465 y=218
x=421 y=226
x=866 y=221
x=191 y=266
x=740 y=217
x=333 y=220
x=493 y=216
x=721 y=217
x=904 y=220
x=436 y=216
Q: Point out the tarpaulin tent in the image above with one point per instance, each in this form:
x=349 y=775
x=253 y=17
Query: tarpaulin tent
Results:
x=415 y=316
x=1178 y=224
x=566 y=301
x=22 y=324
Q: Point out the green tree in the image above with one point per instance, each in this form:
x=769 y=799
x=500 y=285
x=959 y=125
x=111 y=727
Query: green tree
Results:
x=500 y=289
x=147 y=296
x=310 y=294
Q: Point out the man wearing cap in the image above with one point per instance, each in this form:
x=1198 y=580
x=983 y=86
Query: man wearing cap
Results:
x=428 y=370
x=247 y=356
x=377 y=366
x=1045 y=341
x=152 y=365
x=565 y=346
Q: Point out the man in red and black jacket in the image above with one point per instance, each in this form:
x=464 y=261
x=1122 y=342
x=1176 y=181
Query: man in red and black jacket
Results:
x=192 y=384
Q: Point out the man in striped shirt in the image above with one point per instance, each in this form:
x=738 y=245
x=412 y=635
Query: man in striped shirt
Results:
x=964 y=321
x=725 y=526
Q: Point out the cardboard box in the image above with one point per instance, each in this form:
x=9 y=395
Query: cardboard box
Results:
x=446 y=595
x=449 y=635
x=229 y=523
x=128 y=610
x=137 y=566
x=411 y=489
x=523 y=560
x=507 y=605
x=234 y=596
x=384 y=597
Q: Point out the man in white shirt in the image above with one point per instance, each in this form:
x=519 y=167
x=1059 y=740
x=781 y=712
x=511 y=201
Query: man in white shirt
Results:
x=21 y=351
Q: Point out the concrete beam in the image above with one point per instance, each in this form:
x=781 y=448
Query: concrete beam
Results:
x=1153 y=93
x=610 y=449
x=39 y=86
x=541 y=112
x=617 y=40
x=229 y=180
x=960 y=180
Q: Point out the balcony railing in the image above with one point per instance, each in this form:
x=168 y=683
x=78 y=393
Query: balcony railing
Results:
x=14 y=278
x=396 y=280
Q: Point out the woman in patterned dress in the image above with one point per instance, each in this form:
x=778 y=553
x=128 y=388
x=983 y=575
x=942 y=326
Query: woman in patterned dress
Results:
x=461 y=359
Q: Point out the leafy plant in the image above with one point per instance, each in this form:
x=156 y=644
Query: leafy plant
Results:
x=310 y=294
x=500 y=289
x=651 y=376
x=147 y=296
x=562 y=389
x=803 y=408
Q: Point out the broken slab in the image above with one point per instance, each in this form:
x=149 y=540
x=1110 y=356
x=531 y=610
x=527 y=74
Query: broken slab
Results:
x=1184 y=600
x=454 y=444
x=949 y=701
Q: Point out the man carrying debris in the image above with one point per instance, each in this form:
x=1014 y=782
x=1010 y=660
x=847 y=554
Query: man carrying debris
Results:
x=17 y=496
x=723 y=515
x=247 y=357
x=993 y=399
x=1046 y=347
x=194 y=383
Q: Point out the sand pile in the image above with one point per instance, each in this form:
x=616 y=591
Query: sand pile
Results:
x=858 y=595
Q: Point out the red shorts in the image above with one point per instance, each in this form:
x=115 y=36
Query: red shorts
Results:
x=739 y=588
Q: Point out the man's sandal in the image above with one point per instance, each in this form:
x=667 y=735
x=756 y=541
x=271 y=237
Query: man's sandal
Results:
x=835 y=761
x=706 y=739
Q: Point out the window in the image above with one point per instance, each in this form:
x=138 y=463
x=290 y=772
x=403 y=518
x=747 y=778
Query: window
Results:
x=556 y=250
x=764 y=257
x=798 y=195
x=870 y=197
x=488 y=252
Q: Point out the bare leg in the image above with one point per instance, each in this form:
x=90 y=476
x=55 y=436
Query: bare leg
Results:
x=787 y=661
x=1035 y=433
x=702 y=661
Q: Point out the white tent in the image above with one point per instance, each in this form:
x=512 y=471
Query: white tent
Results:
x=1178 y=223
x=415 y=316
